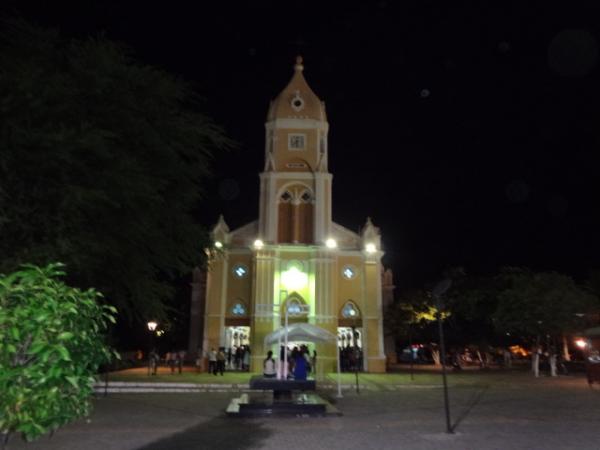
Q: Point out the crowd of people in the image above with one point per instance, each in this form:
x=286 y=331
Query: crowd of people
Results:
x=299 y=359
x=351 y=359
x=236 y=358
x=173 y=359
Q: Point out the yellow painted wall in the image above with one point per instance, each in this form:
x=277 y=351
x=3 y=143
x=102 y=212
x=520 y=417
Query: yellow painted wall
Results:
x=371 y=289
x=283 y=155
x=239 y=288
x=349 y=289
x=213 y=300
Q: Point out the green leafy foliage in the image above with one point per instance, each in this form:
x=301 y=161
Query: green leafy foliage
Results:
x=51 y=345
x=544 y=303
x=516 y=304
x=412 y=314
x=100 y=166
x=473 y=300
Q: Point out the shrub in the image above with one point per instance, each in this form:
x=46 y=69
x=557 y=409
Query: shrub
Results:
x=51 y=345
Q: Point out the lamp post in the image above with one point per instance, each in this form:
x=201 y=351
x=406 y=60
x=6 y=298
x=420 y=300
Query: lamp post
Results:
x=301 y=309
x=437 y=293
x=151 y=362
x=412 y=355
x=356 y=354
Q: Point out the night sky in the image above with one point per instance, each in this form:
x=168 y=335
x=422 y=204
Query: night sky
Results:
x=470 y=134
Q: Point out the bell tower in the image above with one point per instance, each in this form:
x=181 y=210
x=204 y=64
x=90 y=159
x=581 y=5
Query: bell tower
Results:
x=295 y=185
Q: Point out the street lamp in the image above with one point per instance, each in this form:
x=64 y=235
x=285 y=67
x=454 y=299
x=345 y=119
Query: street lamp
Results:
x=298 y=310
x=151 y=362
x=437 y=293
x=352 y=314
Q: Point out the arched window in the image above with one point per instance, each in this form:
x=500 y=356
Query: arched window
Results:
x=350 y=310
x=295 y=306
x=239 y=309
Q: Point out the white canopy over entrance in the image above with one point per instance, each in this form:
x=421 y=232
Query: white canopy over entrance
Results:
x=302 y=332
x=305 y=332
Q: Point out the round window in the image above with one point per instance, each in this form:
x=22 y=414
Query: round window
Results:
x=240 y=270
x=297 y=103
x=348 y=272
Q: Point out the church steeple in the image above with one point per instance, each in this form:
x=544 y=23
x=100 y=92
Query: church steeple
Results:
x=295 y=204
x=297 y=100
x=296 y=139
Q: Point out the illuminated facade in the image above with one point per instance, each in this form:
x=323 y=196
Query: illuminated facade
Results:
x=294 y=257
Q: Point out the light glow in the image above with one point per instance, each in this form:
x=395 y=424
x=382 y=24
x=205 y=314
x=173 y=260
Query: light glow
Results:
x=218 y=244
x=152 y=325
x=581 y=343
x=293 y=279
x=258 y=244
x=330 y=243
x=370 y=248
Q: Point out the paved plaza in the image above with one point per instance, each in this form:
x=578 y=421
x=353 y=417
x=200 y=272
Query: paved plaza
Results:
x=513 y=412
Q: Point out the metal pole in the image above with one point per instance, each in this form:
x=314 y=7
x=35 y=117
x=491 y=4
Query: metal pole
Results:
x=285 y=350
x=443 y=356
x=280 y=362
x=412 y=356
x=149 y=353
x=339 y=370
x=355 y=350
x=107 y=368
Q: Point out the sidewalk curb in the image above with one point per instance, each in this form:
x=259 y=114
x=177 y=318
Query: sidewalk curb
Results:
x=128 y=387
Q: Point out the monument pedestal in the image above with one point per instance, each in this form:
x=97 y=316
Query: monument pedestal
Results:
x=281 y=398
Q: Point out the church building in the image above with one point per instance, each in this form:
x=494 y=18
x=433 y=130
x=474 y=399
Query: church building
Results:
x=294 y=259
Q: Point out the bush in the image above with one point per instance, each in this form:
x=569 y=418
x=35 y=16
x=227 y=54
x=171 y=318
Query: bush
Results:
x=51 y=345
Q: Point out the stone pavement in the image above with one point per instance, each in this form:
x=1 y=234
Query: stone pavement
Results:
x=561 y=413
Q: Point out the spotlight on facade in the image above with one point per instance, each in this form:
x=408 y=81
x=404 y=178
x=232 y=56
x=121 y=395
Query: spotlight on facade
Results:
x=331 y=243
x=370 y=248
x=581 y=343
x=258 y=244
x=294 y=279
x=218 y=244
x=152 y=325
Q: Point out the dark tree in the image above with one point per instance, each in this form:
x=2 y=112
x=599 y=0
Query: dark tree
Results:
x=101 y=164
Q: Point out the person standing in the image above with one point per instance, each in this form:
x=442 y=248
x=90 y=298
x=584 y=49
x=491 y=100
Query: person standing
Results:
x=269 y=366
x=246 y=359
x=237 y=358
x=180 y=358
x=299 y=365
x=212 y=361
x=153 y=359
x=220 y=361
x=507 y=358
x=171 y=361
